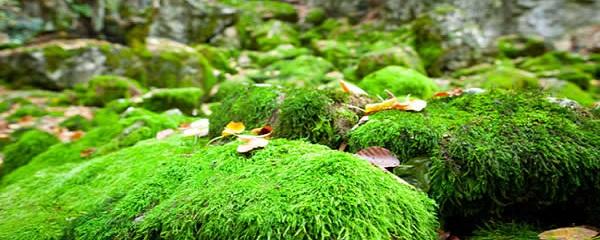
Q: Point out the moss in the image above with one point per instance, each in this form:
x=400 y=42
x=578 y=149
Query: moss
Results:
x=155 y=188
x=505 y=231
x=428 y=42
x=513 y=46
x=231 y=86
x=303 y=71
x=184 y=99
x=76 y=122
x=281 y=52
x=400 y=81
x=403 y=56
x=29 y=145
x=111 y=135
x=505 y=78
x=272 y=33
x=218 y=58
x=494 y=154
x=265 y=9
x=550 y=61
x=336 y=52
x=315 y=16
x=105 y=88
x=27 y=110
x=581 y=79
x=573 y=92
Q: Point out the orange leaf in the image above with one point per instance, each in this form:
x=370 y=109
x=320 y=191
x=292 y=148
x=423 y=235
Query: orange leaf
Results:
x=251 y=143
x=351 y=88
x=441 y=94
x=233 y=128
x=569 y=233
x=452 y=93
x=264 y=131
x=87 y=152
x=76 y=135
x=376 y=107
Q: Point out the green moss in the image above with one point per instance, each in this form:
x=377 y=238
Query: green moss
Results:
x=573 y=92
x=403 y=56
x=505 y=231
x=303 y=71
x=513 y=46
x=505 y=78
x=184 y=99
x=105 y=88
x=265 y=9
x=76 y=122
x=336 y=52
x=270 y=34
x=252 y=105
x=281 y=52
x=171 y=190
x=315 y=16
x=27 y=110
x=400 y=81
x=428 y=42
x=218 y=58
x=581 y=79
x=494 y=154
x=231 y=86
x=29 y=145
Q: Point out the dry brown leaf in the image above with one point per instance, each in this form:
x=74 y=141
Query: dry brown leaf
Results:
x=264 y=131
x=233 y=128
x=351 y=88
x=379 y=156
x=164 y=134
x=69 y=136
x=393 y=103
x=87 y=152
x=26 y=120
x=452 y=93
x=569 y=233
x=250 y=143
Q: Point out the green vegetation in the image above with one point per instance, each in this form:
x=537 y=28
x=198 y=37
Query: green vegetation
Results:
x=505 y=231
x=399 y=56
x=105 y=88
x=400 y=81
x=29 y=145
x=184 y=99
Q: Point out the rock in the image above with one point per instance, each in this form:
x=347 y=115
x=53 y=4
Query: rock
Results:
x=401 y=55
x=400 y=81
x=584 y=40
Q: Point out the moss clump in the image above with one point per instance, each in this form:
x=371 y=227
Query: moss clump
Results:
x=184 y=99
x=495 y=154
x=513 y=46
x=76 y=122
x=337 y=52
x=270 y=34
x=315 y=16
x=29 y=145
x=155 y=188
x=400 y=81
x=27 y=110
x=403 y=56
x=505 y=77
x=105 y=88
x=314 y=115
x=571 y=91
x=581 y=79
x=281 y=52
x=505 y=231
x=303 y=71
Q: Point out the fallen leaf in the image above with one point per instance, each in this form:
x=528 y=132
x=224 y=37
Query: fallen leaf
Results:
x=416 y=105
x=376 y=107
x=379 y=156
x=452 y=93
x=250 y=143
x=264 y=131
x=198 y=128
x=233 y=128
x=87 y=152
x=569 y=233
x=351 y=88
x=164 y=134
x=26 y=120
x=69 y=136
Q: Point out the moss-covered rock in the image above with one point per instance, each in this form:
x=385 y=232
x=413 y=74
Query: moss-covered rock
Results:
x=30 y=109
x=303 y=71
x=29 y=145
x=400 y=81
x=105 y=88
x=339 y=53
x=513 y=46
x=316 y=115
x=564 y=89
x=315 y=16
x=281 y=52
x=403 y=56
x=270 y=34
x=504 y=77
x=266 y=10
x=496 y=154
x=76 y=122
x=184 y=99
x=155 y=188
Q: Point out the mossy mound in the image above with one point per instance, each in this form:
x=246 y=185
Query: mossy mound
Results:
x=496 y=154
x=303 y=71
x=184 y=99
x=403 y=56
x=30 y=109
x=564 y=89
x=281 y=52
x=170 y=189
x=29 y=145
x=316 y=115
x=105 y=88
x=513 y=46
x=400 y=81
x=273 y=33
x=504 y=77
x=341 y=54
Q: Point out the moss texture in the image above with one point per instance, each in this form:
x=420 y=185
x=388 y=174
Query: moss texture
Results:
x=272 y=33
x=29 y=145
x=303 y=71
x=315 y=115
x=105 y=88
x=168 y=189
x=403 y=56
x=505 y=77
x=184 y=99
x=400 y=81
x=513 y=46
x=494 y=154
x=505 y=231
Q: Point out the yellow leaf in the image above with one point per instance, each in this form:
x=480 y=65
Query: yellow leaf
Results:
x=569 y=233
x=376 y=107
x=351 y=88
x=233 y=128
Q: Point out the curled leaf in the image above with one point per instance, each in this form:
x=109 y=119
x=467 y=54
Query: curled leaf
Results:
x=569 y=233
x=233 y=128
x=164 y=134
x=416 y=105
x=379 y=156
x=264 y=131
x=351 y=88
x=250 y=143
x=376 y=107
